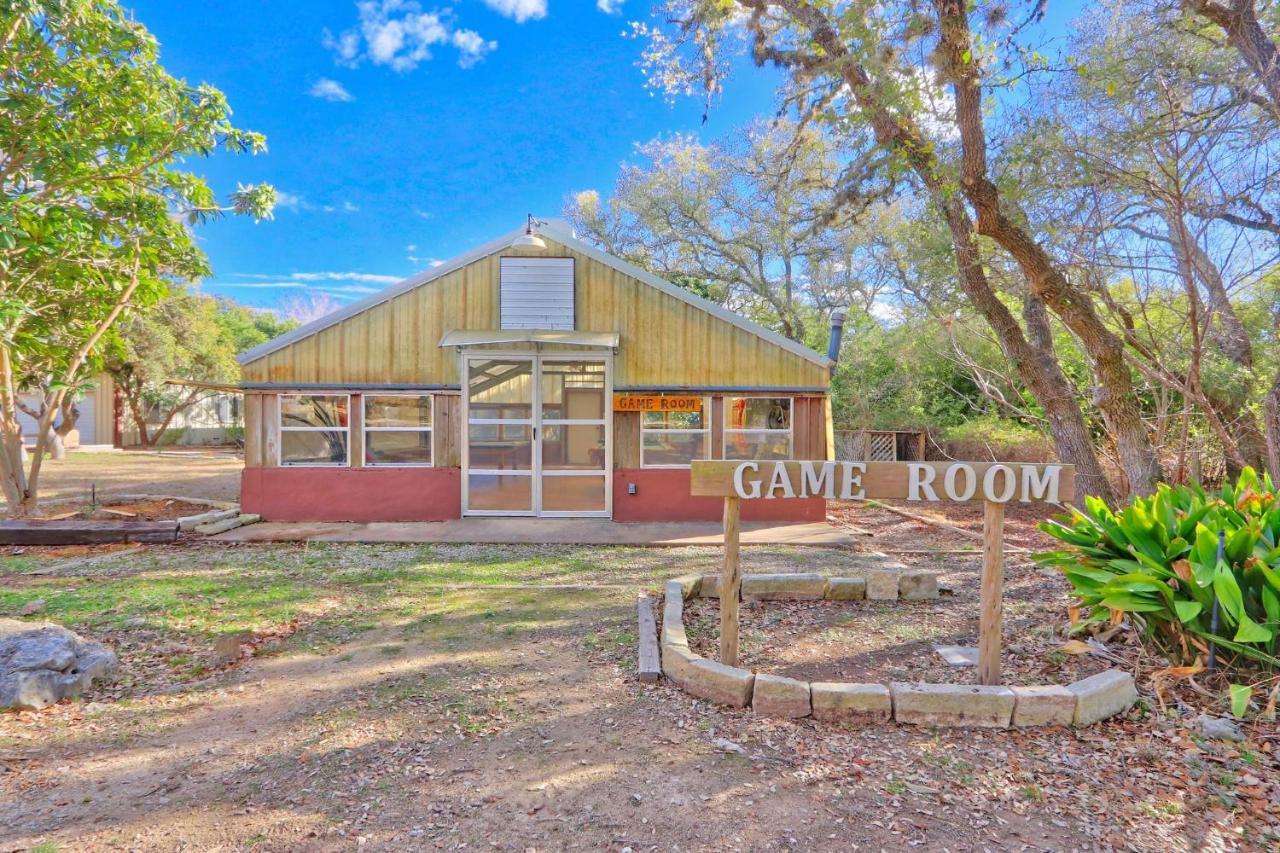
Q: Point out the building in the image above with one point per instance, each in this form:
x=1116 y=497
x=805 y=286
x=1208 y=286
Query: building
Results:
x=536 y=376
x=95 y=426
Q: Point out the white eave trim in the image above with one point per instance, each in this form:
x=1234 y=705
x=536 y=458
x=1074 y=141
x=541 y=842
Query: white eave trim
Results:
x=502 y=243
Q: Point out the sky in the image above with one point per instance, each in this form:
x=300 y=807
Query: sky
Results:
x=405 y=133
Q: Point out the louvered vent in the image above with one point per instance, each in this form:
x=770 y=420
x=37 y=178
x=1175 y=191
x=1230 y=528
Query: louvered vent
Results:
x=537 y=293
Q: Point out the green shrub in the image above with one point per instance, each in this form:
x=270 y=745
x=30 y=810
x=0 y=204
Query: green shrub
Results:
x=1157 y=561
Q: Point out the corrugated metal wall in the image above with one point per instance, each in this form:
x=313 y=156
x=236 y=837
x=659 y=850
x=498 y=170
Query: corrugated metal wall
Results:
x=664 y=340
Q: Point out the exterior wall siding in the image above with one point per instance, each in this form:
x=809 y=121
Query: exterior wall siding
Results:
x=664 y=341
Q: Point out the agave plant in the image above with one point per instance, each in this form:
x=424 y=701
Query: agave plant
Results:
x=1157 y=560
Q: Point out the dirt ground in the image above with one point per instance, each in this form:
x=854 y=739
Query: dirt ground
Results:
x=484 y=697
x=194 y=473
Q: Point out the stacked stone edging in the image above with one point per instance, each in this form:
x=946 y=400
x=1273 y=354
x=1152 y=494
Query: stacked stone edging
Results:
x=1082 y=703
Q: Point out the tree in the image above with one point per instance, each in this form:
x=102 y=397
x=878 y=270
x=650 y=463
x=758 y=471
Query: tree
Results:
x=858 y=66
x=1239 y=20
x=1137 y=162
x=188 y=336
x=96 y=218
x=308 y=308
x=750 y=215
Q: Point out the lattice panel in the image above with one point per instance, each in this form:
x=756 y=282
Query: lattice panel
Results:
x=884 y=447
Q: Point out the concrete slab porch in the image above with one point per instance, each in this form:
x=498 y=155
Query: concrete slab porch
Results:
x=540 y=531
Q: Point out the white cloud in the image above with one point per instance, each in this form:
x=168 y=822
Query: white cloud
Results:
x=399 y=34
x=519 y=10
x=609 y=7
x=301 y=279
x=330 y=90
x=295 y=203
x=289 y=201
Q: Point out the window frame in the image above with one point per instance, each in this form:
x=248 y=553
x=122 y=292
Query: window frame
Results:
x=281 y=429
x=790 y=431
x=706 y=431
x=365 y=429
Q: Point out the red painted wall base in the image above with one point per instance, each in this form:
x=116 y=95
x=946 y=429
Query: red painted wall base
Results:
x=352 y=494
x=662 y=494
x=435 y=494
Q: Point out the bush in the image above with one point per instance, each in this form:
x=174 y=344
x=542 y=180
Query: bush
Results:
x=1157 y=561
x=991 y=437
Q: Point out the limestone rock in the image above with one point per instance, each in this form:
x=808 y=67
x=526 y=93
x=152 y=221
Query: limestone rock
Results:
x=847 y=589
x=882 y=585
x=1217 y=728
x=41 y=664
x=952 y=705
x=809 y=586
x=707 y=679
x=1102 y=695
x=775 y=696
x=917 y=585
x=1047 y=705
x=851 y=703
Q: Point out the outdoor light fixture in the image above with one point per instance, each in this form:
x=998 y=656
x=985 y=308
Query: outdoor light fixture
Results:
x=529 y=240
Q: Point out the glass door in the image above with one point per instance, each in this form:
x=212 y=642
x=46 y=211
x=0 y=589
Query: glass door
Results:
x=539 y=436
x=574 y=437
x=499 y=448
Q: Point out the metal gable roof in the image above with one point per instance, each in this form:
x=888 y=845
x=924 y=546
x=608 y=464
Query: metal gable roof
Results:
x=557 y=235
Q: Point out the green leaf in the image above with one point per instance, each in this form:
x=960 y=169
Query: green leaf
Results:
x=1228 y=592
x=1240 y=695
x=1251 y=632
x=1187 y=610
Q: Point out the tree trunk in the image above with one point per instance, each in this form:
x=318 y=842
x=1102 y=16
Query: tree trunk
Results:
x=1115 y=394
x=1239 y=430
x=1035 y=361
x=1239 y=19
x=899 y=133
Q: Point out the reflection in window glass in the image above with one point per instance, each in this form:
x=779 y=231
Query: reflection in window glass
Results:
x=573 y=494
x=757 y=428
x=675 y=439
x=313 y=429
x=773 y=413
x=298 y=410
x=397 y=429
x=500 y=493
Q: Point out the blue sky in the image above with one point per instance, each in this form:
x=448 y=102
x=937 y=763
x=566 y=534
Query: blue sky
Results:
x=402 y=133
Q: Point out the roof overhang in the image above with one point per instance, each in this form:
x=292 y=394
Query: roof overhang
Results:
x=498 y=337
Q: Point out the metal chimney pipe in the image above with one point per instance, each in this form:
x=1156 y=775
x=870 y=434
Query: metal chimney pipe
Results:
x=837 y=333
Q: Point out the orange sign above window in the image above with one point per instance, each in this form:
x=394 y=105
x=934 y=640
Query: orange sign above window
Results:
x=655 y=403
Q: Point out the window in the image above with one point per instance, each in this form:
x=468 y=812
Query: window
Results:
x=757 y=428
x=674 y=439
x=397 y=429
x=314 y=429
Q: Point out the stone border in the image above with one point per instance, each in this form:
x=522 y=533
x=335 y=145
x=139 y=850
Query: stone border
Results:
x=1083 y=703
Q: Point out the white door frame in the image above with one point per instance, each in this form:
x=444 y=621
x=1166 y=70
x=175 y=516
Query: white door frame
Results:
x=536 y=472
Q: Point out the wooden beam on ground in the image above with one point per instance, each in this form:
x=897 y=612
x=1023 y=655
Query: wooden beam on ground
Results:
x=70 y=532
x=730 y=582
x=989 y=615
x=649 y=665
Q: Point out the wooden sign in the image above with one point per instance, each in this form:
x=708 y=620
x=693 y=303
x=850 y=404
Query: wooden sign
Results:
x=1000 y=482
x=993 y=483
x=655 y=403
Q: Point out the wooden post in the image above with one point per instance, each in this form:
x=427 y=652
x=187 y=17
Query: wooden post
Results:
x=992 y=591
x=730 y=583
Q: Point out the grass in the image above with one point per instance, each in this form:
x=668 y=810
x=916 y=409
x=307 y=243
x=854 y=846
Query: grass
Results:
x=164 y=608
